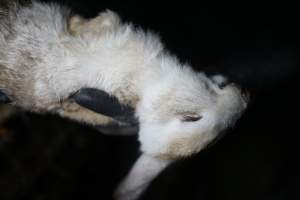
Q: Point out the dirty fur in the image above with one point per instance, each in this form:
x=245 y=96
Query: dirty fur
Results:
x=46 y=55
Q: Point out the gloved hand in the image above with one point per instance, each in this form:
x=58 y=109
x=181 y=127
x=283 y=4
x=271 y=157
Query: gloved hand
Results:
x=4 y=98
x=100 y=102
x=105 y=104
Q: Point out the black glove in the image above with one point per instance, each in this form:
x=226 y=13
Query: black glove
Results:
x=4 y=98
x=101 y=102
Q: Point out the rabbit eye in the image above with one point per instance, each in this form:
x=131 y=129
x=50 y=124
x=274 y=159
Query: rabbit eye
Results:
x=191 y=118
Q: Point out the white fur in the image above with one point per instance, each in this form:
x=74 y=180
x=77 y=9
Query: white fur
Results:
x=132 y=65
x=138 y=179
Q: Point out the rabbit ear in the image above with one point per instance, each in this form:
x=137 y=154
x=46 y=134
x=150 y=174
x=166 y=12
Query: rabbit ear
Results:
x=103 y=103
x=4 y=98
x=145 y=169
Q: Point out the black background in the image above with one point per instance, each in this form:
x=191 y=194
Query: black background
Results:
x=255 y=44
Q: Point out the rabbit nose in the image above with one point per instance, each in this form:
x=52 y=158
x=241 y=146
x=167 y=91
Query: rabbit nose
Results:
x=245 y=95
x=220 y=80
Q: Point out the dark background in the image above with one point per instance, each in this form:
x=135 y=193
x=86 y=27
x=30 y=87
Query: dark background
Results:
x=254 y=44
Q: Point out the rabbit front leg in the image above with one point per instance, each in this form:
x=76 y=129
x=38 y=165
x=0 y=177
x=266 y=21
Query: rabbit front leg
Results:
x=105 y=21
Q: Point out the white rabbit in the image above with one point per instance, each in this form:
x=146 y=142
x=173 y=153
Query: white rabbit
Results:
x=46 y=55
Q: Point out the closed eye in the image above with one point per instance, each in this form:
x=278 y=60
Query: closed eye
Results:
x=191 y=118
